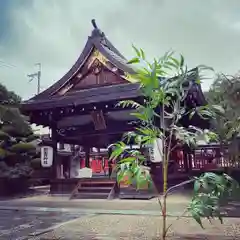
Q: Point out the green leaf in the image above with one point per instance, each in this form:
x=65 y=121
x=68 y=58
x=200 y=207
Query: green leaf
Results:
x=119 y=149
x=171 y=65
x=128 y=159
x=140 y=179
x=120 y=176
x=197 y=218
x=198 y=81
x=140 y=116
x=173 y=91
x=136 y=51
x=192 y=113
x=175 y=62
x=218 y=109
x=197 y=185
x=134 y=60
x=205 y=114
x=142 y=54
x=181 y=60
x=204 y=67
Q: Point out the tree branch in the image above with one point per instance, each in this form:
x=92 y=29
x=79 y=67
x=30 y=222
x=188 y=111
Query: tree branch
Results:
x=177 y=186
x=160 y=204
x=173 y=148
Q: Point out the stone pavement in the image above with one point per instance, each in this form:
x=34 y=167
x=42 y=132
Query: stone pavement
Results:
x=21 y=225
x=103 y=219
x=106 y=227
x=176 y=204
x=89 y=206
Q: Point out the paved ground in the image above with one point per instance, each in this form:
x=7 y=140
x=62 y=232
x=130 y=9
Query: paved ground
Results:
x=116 y=204
x=176 y=203
x=19 y=225
x=22 y=225
x=105 y=219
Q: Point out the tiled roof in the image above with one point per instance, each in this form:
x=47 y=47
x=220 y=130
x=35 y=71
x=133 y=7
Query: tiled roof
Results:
x=99 y=41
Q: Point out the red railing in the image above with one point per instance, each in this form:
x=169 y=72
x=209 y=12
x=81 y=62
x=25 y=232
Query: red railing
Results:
x=209 y=157
x=203 y=158
x=97 y=164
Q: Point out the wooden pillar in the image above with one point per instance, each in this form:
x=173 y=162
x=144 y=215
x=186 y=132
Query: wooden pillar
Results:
x=55 y=152
x=87 y=157
x=54 y=188
x=185 y=158
x=110 y=162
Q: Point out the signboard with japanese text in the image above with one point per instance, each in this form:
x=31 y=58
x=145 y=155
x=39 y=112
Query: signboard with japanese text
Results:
x=46 y=156
x=154 y=151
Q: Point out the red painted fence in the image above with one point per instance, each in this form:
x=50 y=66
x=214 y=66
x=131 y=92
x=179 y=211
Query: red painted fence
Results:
x=206 y=157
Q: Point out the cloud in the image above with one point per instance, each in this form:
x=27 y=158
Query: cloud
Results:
x=54 y=32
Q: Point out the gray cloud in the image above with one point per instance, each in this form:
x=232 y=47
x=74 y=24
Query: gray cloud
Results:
x=54 y=32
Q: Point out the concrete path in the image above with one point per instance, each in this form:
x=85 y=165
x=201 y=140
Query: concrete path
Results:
x=104 y=219
x=22 y=225
x=176 y=204
x=89 y=206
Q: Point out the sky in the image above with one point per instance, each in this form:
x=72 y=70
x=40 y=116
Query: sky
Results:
x=53 y=32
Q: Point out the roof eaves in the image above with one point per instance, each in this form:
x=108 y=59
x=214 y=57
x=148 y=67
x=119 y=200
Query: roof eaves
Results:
x=74 y=69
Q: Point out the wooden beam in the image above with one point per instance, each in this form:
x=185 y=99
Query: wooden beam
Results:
x=87 y=157
x=55 y=152
x=41 y=116
x=88 y=130
x=98 y=120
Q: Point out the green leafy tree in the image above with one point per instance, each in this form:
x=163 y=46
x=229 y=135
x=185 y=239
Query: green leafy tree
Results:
x=164 y=84
x=16 y=149
x=225 y=91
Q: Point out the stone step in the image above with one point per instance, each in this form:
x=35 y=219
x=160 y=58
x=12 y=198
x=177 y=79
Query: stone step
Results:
x=131 y=192
x=97 y=184
x=95 y=189
x=92 y=195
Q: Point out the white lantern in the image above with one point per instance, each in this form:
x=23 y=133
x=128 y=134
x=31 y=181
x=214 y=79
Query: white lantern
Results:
x=154 y=151
x=46 y=156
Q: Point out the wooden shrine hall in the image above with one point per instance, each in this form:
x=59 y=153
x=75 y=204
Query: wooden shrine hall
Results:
x=80 y=108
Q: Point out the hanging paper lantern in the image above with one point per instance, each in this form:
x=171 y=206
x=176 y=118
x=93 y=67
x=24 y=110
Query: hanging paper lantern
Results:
x=46 y=156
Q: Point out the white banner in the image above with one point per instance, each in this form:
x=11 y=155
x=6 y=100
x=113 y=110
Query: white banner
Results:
x=46 y=156
x=155 y=151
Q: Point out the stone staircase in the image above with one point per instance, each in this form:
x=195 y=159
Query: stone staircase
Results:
x=94 y=189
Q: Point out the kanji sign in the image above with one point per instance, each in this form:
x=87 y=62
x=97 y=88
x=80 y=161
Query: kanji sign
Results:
x=46 y=156
x=154 y=151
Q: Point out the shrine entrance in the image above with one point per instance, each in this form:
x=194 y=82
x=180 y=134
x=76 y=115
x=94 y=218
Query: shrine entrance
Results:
x=81 y=110
x=98 y=162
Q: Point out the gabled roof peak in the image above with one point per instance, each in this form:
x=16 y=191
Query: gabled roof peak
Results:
x=94 y=23
x=96 y=32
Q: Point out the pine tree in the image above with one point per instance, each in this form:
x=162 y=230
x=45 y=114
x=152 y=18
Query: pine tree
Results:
x=16 y=149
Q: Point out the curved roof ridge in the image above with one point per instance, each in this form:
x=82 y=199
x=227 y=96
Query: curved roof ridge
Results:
x=97 y=40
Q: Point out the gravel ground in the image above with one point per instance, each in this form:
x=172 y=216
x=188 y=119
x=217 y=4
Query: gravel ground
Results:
x=106 y=227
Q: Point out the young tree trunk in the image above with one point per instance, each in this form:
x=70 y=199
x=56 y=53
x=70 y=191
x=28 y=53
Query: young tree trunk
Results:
x=164 y=207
